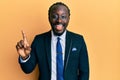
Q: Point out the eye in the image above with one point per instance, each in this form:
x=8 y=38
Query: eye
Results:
x=63 y=17
x=54 y=16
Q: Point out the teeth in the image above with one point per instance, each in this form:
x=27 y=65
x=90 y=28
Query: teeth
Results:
x=59 y=25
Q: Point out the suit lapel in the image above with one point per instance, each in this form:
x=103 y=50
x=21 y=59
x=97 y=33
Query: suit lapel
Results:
x=48 y=48
x=67 y=49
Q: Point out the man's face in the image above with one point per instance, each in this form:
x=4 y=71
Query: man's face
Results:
x=59 y=19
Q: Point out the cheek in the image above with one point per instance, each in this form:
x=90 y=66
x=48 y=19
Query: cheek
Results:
x=66 y=20
x=52 y=21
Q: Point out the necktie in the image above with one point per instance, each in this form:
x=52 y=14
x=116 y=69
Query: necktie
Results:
x=59 y=60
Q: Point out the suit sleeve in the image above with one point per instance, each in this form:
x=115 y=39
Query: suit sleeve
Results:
x=29 y=65
x=83 y=62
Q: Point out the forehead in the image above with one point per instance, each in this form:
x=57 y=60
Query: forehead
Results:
x=57 y=8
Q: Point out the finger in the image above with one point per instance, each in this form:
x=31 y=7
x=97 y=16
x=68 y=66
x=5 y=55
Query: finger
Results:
x=22 y=44
x=27 y=50
x=24 y=35
x=25 y=39
x=17 y=47
x=19 y=44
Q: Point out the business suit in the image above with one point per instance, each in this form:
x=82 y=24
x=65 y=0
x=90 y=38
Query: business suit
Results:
x=76 y=65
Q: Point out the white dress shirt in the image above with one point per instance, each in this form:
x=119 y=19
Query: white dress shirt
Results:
x=53 y=53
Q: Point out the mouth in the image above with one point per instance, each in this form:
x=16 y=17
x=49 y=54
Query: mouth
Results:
x=59 y=27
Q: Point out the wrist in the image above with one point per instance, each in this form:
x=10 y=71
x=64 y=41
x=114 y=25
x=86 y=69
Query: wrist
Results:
x=25 y=57
x=23 y=61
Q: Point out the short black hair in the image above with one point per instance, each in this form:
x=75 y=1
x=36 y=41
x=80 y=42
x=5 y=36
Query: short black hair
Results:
x=58 y=3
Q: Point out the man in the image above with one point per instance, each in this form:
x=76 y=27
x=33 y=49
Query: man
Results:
x=59 y=53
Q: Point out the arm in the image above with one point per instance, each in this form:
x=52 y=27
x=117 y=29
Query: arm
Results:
x=29 y=65
x=84 y=63
x=26 y=54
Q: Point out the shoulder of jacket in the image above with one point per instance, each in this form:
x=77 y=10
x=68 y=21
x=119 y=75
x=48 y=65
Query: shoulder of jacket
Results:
x=75 y=35
x=43 y=34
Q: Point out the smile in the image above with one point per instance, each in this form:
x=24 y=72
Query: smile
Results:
x=59 y=27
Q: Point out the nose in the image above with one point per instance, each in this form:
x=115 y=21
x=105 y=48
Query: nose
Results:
x=59 y=20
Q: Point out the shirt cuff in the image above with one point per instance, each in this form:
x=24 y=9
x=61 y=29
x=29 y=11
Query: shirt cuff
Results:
x=23 y=61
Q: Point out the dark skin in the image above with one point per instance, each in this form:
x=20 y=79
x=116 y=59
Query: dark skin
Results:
x=58 y=18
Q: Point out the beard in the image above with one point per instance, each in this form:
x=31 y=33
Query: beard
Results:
x=59 y=28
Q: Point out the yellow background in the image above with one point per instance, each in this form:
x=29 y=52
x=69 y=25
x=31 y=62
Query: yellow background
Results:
x=97 y=20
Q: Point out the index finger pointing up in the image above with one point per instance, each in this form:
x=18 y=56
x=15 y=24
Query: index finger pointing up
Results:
x=24 y=35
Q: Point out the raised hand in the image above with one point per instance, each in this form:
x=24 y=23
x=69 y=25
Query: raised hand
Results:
x=23 y=47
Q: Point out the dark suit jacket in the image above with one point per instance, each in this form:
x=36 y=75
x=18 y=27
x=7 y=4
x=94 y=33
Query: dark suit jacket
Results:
x=76 y=65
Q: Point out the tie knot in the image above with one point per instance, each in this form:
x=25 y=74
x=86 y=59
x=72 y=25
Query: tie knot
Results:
x=58 y=38
x=58 y=46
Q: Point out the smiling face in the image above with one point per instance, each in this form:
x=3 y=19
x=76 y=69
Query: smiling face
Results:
x=59 y=19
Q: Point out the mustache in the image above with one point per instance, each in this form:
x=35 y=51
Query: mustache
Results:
x=60 y=24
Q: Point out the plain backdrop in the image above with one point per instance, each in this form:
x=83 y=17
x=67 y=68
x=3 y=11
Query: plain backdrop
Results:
x=97 y=20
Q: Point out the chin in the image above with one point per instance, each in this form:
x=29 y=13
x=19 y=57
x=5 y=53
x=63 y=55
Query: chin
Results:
x=58 y=33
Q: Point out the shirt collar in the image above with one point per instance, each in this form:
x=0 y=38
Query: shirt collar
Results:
x=62 y=37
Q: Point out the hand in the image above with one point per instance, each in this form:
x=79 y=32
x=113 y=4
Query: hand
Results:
x=23 y=47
